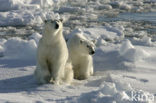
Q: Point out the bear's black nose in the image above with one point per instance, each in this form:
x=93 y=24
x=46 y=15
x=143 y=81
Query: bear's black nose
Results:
x=92 y=52
x=56 y=25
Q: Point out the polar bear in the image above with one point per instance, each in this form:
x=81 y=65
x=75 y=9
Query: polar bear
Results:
x=53 y=65
x=80 y=53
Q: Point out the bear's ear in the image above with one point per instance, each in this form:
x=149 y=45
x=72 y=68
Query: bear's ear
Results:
x=81 y=41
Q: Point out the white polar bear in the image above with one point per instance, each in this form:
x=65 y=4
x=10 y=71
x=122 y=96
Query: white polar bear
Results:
x=80 y=51
x=52 y=55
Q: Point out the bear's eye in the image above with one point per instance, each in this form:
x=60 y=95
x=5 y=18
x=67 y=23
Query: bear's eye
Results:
x=88 y=46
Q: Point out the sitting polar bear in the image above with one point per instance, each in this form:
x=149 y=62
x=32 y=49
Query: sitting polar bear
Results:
x=52 y=55
x=80 y=53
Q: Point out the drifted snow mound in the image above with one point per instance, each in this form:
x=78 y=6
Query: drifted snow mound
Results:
x=110 y=92
x=131 y=53
x=16 y=48
x=145 y=41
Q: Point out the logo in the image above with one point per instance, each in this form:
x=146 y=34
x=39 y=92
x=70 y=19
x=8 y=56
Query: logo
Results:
x=141 y=96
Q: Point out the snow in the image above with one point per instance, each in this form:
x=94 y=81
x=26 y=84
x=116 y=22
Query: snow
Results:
x=26 y=17
x=106 y=33
x=110 y=94
x=69 y=9
x=131 y=53
x=16 y=48
x=35 y=36
x=104 y=7
x=26 y=12
x=124 y=62
x=7 y=5
x=104 y=86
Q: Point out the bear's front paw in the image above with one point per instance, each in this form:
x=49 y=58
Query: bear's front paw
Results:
x=52 y=81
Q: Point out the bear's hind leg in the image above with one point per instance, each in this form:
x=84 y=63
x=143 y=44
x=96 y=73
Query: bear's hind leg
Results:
x=42 y=74
x=57 y=73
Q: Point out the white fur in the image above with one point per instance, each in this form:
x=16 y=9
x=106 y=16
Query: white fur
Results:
x=79 y=54
x=52 y=56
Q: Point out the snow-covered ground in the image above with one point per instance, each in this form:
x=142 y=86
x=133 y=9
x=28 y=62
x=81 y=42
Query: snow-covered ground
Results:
x=124 y=62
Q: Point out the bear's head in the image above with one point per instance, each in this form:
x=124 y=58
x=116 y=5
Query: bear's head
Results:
x=53 y=26
x=86 y=46
x=79 y=44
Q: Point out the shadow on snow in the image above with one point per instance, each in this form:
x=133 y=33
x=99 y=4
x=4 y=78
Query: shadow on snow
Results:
x=18 y=84
x=15 y=63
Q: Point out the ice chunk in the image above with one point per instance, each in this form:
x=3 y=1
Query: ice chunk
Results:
x=131 y=53
x=36 y=36
x=109 y=89
x=125 y=46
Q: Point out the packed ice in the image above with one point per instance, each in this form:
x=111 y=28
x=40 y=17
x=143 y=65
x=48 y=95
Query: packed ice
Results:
x=124 y=61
